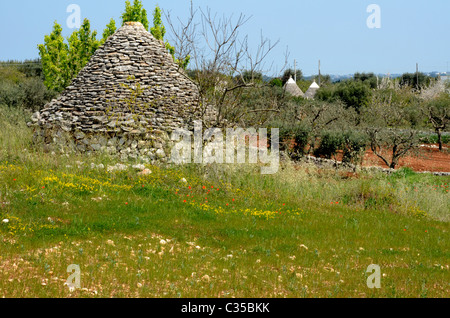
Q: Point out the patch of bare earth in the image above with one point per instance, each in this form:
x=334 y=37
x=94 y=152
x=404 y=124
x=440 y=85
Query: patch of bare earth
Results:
x=429 y=158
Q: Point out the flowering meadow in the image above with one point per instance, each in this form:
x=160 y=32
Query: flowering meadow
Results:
x=220 y=232
x=215 y=230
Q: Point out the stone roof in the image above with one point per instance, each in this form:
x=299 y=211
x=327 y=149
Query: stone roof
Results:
x=130 y=83
x=292 y=88
x=312 y=90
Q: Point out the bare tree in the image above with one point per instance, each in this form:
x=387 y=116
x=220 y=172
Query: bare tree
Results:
x=221 y=61
x=390 y=134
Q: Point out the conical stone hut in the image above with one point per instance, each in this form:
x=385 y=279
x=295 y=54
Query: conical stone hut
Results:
x=292 y=88
x=126 y=100
x=312 y=90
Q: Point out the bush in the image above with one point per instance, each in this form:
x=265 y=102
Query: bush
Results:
x=354 y=146
x=11 y=94
x=35 y=94
x=369 y=78
x=330 y=143
x=355 y=94
x=276 y=82
x=17 y=90
x=433 y=139
x=293 y=138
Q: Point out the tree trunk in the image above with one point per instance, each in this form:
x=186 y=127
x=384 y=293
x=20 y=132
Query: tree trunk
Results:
x=393 y=164
x=439 y=133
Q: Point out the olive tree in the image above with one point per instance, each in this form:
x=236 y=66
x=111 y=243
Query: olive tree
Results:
x=387 y=122
x=436 y=108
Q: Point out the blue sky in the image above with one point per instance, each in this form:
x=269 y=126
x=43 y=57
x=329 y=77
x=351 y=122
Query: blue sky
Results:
x=412 y=31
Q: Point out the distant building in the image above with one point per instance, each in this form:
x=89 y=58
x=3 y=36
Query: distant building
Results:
x=292 y=88
x=312 y=90
x=445 y=78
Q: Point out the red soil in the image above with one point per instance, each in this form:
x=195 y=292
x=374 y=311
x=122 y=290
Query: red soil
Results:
x=429 y=158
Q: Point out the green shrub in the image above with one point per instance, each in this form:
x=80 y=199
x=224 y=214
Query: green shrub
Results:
x=11 y=94
x=355 y=94
x=330 y=143
x=294 y=138
x=276 y=82
x=18 y=90
x=354 y=145
x=433 y=139
x=35 y=94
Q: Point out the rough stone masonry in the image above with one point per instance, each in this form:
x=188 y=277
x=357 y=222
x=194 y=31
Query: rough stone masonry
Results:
x=126 y=101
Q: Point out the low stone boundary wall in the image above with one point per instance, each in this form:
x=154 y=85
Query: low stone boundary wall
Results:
x=322 y=162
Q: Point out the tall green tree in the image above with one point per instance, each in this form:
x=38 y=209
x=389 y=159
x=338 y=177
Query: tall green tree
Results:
x=110 y=30
x=54 y=54
x=61 y=60
x=135 y=13
x=82 y=45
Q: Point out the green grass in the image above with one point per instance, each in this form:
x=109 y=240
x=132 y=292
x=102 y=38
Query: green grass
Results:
x=228 y=232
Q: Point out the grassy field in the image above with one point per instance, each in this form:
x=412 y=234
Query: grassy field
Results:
x=214 y=231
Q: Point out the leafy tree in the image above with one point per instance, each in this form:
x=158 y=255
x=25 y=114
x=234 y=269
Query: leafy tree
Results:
x=135 y=13
x=62 y=61
x=415 y=80
x=276 y=82
x=438 y=114
x=353 y=94
x=327 y=93
x=110 y=30
x=54 y=54
x=369 y=78
x=290 y=73
x=158 y=30
x=82 y=45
